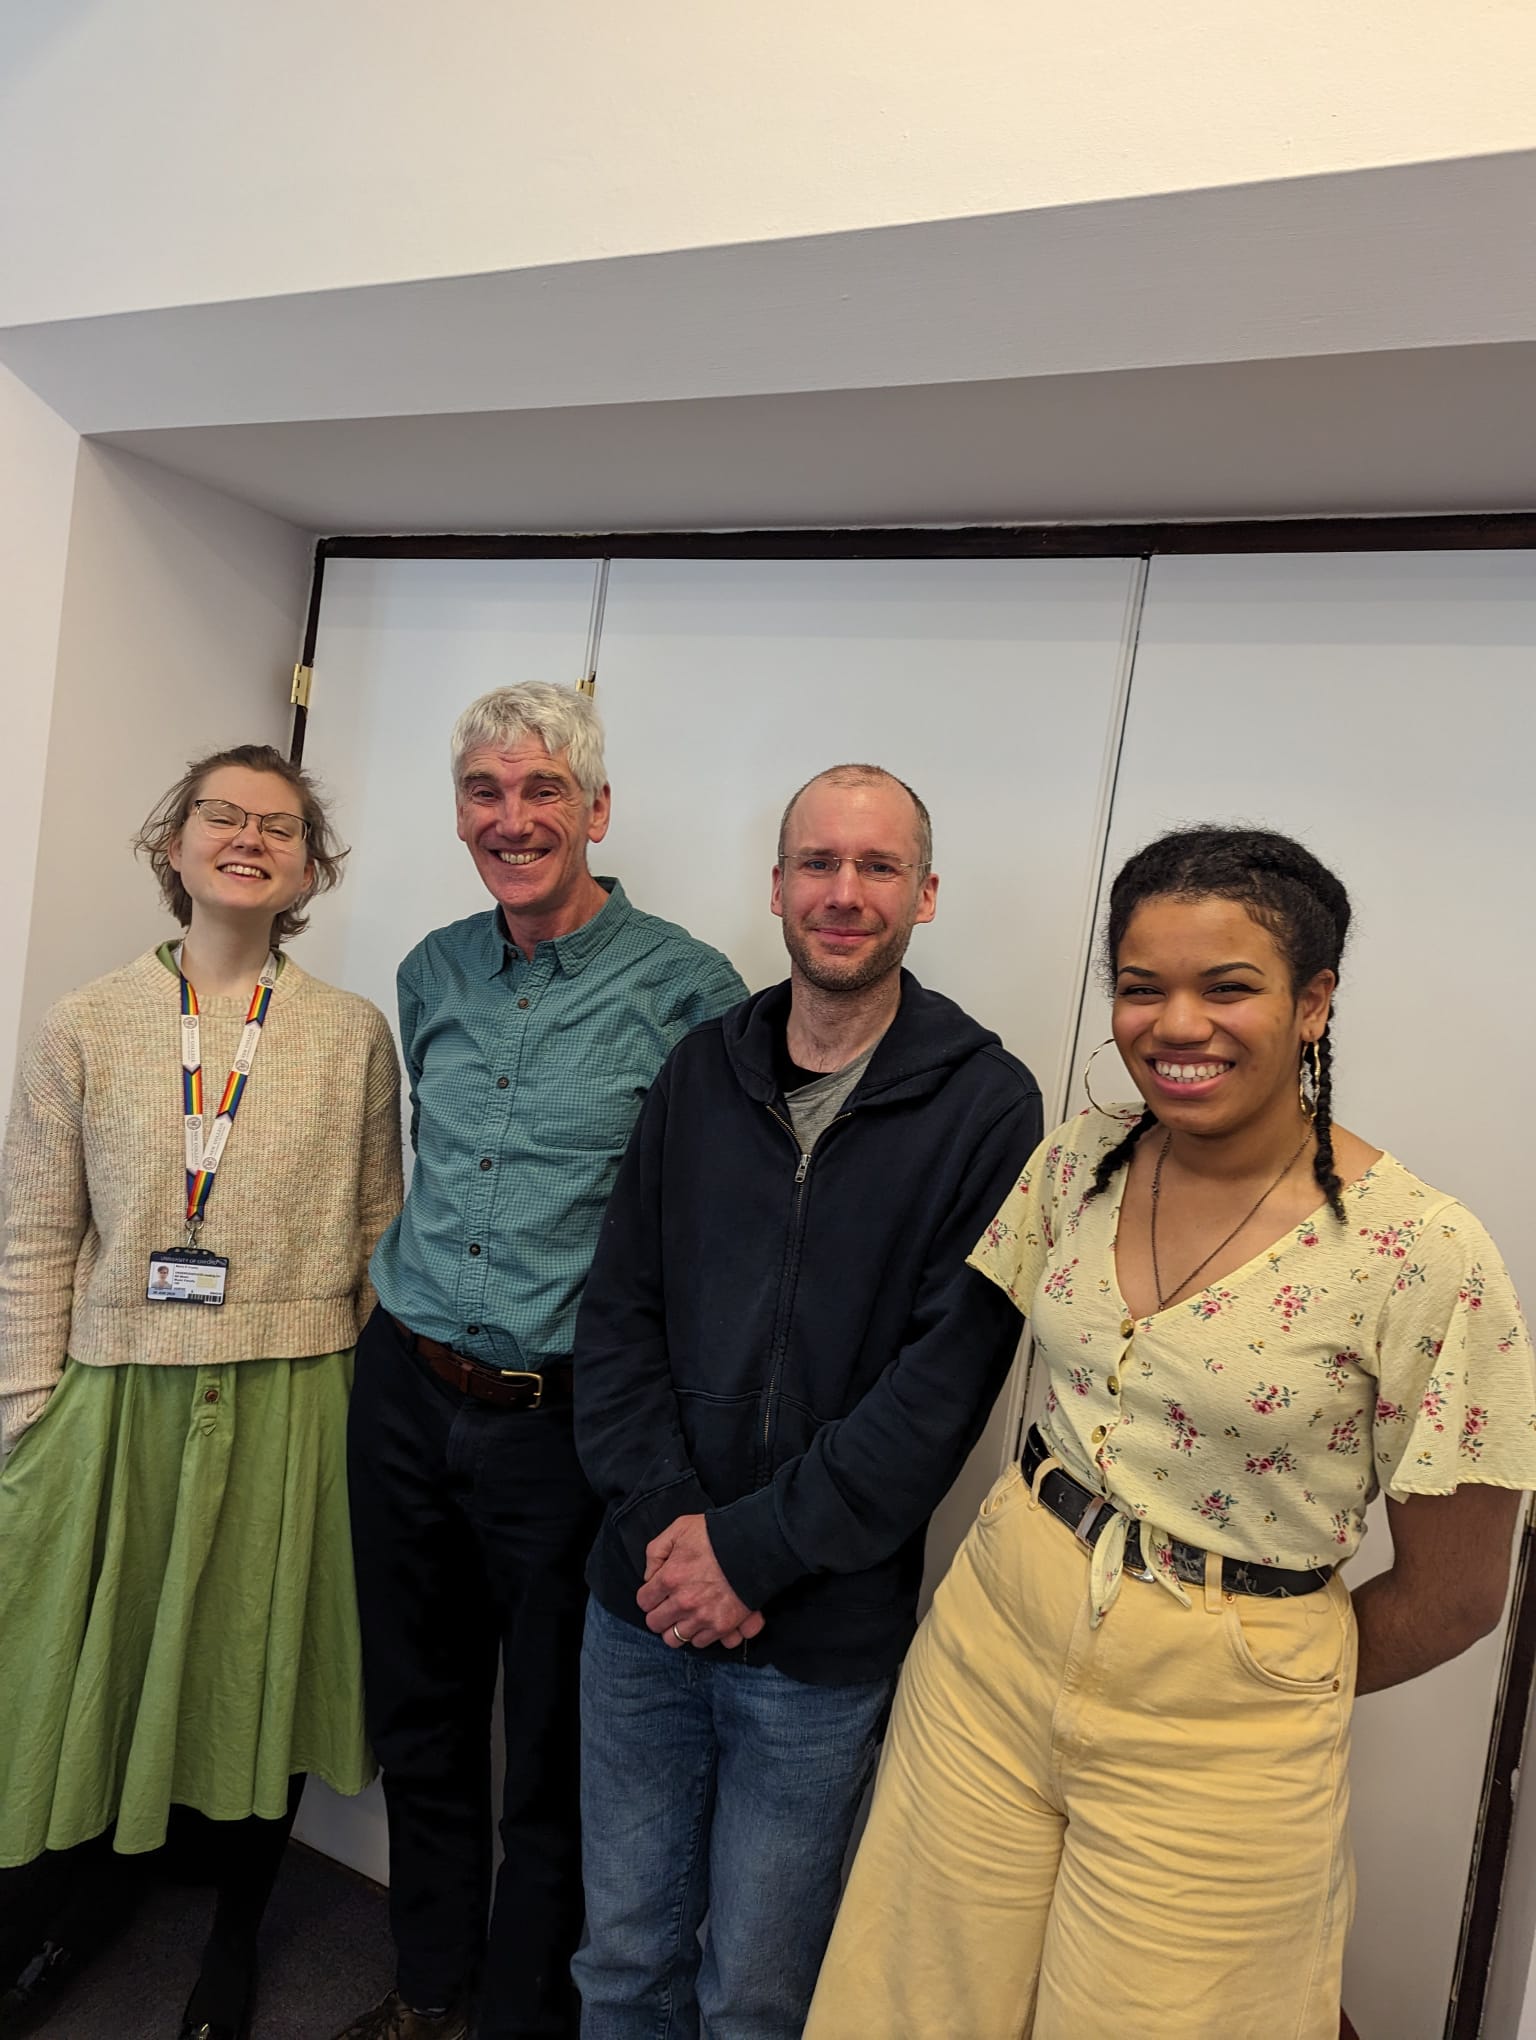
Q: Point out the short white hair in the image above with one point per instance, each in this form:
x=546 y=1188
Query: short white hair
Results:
x=562 y=718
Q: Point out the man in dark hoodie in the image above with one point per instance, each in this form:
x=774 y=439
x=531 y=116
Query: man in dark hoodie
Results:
x=781 y=1363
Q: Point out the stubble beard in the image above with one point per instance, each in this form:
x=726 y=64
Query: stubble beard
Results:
x=857 y=974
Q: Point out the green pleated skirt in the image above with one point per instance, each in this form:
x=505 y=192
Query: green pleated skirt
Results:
x=178 y=1621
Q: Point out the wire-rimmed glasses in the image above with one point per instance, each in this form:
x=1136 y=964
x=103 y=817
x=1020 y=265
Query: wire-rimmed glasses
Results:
x=224 y=817
x=819 y=864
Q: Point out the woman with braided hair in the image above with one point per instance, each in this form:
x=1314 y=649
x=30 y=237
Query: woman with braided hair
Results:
x=1114 y=1793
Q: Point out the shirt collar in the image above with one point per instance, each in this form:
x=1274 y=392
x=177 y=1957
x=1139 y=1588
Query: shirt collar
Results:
x=573 y=952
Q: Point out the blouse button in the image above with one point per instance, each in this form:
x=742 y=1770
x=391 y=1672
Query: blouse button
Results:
x=1114 y=1384
x=1127 y=1326
x=501 y=1083
x=210 y=1395
x=1099 y=1434
x=474 y=1246
x=522 y=1005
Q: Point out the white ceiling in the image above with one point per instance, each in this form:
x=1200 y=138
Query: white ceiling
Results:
x=1348 y=343
x=1413 y=256
x=1420 y=430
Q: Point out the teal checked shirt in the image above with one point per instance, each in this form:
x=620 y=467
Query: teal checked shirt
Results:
x=525 y=1081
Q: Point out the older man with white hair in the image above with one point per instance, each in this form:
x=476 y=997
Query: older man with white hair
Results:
x=530 y=1035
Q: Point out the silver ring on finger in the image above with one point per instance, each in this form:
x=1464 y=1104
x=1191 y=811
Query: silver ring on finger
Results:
x=678 y=1634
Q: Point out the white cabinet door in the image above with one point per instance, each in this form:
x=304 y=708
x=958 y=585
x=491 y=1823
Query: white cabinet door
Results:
x=1383 y=709
x=403 y=646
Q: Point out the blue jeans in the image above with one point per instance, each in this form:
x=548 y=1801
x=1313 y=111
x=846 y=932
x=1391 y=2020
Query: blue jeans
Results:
x=718 y=1788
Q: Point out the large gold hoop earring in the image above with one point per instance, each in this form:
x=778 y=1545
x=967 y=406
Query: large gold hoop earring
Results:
x=1309 y=1079
x=1086 y=1086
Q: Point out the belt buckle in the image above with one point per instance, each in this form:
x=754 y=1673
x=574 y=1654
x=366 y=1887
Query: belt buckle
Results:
x=525 y=1374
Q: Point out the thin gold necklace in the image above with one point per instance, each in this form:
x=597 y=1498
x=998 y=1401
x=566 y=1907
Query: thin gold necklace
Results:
x=1157 y=1191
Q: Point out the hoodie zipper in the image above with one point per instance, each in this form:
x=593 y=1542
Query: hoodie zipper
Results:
x=791 y=1267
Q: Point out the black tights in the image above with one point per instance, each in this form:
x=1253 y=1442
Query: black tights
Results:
x=247 y=1855
x=78 y=1897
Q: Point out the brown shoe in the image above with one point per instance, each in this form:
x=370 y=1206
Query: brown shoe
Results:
x=393 y=2019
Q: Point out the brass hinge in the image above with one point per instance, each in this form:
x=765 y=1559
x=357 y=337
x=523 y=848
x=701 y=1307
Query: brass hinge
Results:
x=302 y=676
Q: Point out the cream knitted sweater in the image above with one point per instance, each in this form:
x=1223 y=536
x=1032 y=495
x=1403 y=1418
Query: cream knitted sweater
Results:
x=94 y=1181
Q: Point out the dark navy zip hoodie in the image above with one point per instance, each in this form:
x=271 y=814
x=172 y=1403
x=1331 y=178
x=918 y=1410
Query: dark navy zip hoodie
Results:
x=793 y=1346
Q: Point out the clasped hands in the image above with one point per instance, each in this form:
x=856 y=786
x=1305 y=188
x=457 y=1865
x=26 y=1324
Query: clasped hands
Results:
x=686 y=1597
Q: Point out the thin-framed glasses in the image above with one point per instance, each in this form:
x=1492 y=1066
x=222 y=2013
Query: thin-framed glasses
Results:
x=223 y=817
x=873 y=870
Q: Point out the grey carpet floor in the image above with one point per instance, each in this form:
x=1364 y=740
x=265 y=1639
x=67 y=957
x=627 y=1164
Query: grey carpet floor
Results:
x=325 y=1957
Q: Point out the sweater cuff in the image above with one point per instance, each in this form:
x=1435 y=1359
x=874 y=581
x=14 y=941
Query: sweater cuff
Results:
x=752 y=1551
x=657 y=1511
x=19 y=1411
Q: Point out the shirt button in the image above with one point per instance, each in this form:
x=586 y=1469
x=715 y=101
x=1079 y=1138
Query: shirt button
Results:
x=1099 y=1434
x=474 y=1246
x=501 y=1083
x=523 y=1005
x=485 y=1162
x=1127 y=1326
x=473 y=1331
x=210 y=1395
x=1114 y=1384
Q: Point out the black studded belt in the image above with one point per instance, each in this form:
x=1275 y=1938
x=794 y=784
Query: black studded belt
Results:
x=1087 y=1516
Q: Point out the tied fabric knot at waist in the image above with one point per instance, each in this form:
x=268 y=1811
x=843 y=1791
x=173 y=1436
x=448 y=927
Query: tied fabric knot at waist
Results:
x=1107 y=1550
x=1108 y=1531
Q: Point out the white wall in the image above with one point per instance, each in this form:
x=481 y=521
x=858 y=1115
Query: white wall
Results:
x=38 y=454
x=182 y=617
x=175 y=153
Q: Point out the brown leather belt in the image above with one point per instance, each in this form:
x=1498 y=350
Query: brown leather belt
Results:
x=510 y=1388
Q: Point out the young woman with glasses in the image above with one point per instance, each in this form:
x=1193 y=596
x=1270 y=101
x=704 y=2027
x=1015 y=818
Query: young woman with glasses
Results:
x=1114 y=1793
x=183 y=1271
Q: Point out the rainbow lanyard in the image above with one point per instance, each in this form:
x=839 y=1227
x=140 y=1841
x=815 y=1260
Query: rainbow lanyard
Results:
x=205 y=1154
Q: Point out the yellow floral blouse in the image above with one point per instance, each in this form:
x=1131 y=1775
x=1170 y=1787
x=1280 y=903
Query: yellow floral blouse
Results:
x=1259 y=1418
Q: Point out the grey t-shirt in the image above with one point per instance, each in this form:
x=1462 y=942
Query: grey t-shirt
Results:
x=814 y=1106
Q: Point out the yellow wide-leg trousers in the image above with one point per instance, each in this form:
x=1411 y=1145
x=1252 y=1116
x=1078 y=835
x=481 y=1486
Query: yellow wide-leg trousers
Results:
x=1129 y=1832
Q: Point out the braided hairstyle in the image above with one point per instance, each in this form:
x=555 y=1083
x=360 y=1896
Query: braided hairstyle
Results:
x=1283 y=887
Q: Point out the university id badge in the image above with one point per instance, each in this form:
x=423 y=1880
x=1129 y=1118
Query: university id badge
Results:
x=187 y=1275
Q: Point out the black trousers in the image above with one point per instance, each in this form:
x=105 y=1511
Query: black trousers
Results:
x=471 y=1527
